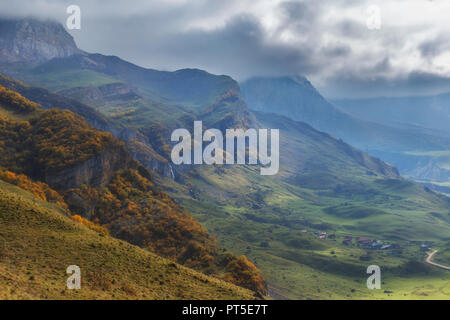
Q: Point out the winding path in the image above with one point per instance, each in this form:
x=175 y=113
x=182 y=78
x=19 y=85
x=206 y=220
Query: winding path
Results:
x=429 y=260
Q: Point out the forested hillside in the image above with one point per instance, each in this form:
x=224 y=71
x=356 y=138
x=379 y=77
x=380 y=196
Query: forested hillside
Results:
x=97 y=179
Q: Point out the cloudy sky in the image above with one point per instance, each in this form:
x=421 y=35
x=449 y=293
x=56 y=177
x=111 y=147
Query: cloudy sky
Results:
x=338 y=44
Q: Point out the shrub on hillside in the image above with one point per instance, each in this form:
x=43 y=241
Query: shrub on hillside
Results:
x=91 y=225
x=16 y=102
x=39 y=189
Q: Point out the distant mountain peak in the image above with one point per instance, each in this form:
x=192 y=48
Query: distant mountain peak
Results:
x=293 y=96
x=33 y=41
x=294 y=78
x=302 y=81
x=297 y=84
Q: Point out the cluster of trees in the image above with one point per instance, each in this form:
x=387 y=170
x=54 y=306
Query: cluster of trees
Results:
x=15 y=147
x=50 y=141
x=62 y=139
x=39 y=189
x=91 y=225
x=245 y=274
x=15 y=101
x=122 y=114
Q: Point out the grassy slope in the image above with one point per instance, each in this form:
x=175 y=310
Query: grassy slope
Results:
x=247 y=210
x=70 y=79
x=443 y=255
x=38 y=241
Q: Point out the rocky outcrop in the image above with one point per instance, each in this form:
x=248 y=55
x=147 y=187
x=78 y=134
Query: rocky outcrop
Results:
x=150 y=159
x=430 y=171
x=33 y=41
x=95 y=172
x=101 y=95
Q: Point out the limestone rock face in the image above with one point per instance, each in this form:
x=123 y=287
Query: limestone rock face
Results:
x=95 y=172
x=34 y=41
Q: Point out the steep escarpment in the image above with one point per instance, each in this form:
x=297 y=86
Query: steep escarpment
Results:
x=59 y=148
x=98 y=179
x=96 y=171
x=136 y=142
x=101 y=95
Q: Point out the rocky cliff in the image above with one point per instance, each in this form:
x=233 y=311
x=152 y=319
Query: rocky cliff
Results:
x=95 y=172
x=101 y=95
x=33 y=41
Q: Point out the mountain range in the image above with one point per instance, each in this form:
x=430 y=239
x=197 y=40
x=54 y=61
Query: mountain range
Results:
x=429 y=114
x=395 y=130
x=105 y=150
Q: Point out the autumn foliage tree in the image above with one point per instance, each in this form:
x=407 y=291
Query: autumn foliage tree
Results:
x=242 y=272
x=39 y=189
x=16 y=102
x=91 y=225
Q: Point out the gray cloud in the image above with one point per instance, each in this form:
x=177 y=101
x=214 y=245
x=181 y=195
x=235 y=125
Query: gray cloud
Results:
x=412 y=84
x=434 y=47
x=326 y=40
x=239 y=49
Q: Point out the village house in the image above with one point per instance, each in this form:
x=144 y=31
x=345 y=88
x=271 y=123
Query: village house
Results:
x=363 y=240
x=347 y=240
x=396 y=251
x=374 y=245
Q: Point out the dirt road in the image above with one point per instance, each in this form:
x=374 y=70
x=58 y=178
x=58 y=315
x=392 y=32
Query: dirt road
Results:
x=429 y=260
